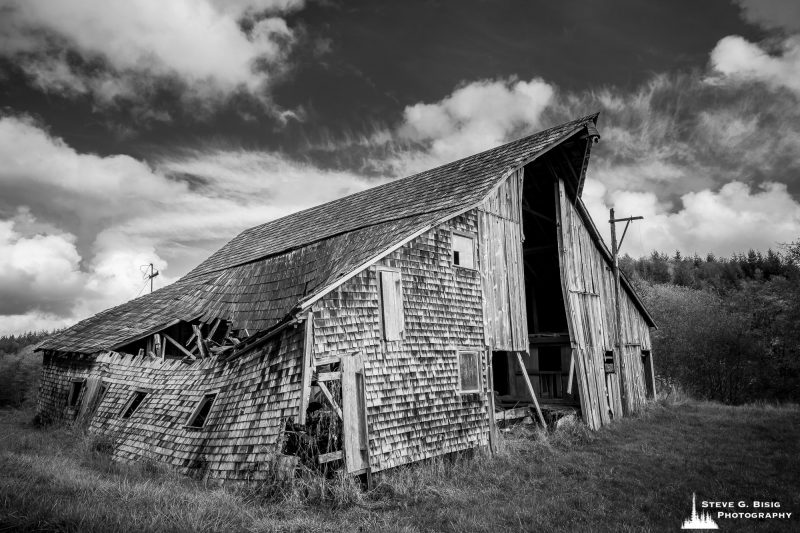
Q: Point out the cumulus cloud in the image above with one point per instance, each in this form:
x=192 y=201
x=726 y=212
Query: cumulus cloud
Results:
x=476 y=116
x=75 y=228
x=734 y=58
x=210 y=49
x=734 y=218
x=37 y=272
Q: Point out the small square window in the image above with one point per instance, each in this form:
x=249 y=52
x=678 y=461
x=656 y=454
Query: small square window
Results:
x=133 y=404
x=469 y=373
x=608 y=361
x=75 y=389
x=199 y=416
x=463 y=251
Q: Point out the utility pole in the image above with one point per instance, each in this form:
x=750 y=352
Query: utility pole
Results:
x=153 y=273
x=619 y=366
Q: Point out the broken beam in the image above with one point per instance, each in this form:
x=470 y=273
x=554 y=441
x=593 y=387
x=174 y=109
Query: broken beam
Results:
x=328 y=457
x=530 y=388
x=322 y=361
x=214 y=329
x=199 y=340
x=329 y=396
x=178 y=345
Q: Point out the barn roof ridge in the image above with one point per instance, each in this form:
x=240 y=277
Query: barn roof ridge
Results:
x=267 y=272
x=370 y=200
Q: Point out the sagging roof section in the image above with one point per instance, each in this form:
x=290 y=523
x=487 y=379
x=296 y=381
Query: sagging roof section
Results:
x=261 y=275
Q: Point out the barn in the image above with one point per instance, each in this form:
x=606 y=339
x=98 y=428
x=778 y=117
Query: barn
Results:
x=386 y=327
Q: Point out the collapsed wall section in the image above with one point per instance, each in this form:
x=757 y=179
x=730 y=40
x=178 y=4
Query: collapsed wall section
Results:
x=241 y=438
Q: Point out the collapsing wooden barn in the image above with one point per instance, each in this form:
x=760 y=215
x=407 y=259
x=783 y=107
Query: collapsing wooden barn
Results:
x=376 y=330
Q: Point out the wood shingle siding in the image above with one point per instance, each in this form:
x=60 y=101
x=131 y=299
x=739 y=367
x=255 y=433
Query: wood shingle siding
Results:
x=255 y=395
x=414 y=408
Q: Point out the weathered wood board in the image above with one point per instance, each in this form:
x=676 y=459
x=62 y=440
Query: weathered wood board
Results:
x=588 y=287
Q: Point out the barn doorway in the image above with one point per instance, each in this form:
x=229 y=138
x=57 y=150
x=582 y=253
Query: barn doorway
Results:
x=549 y=366
x=649 y=378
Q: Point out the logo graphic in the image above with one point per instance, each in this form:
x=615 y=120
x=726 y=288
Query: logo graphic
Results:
x=698 y=521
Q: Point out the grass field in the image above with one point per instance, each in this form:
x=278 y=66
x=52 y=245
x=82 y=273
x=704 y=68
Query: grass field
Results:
x=638 y=475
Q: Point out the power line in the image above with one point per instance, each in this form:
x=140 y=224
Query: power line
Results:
x=140 y=290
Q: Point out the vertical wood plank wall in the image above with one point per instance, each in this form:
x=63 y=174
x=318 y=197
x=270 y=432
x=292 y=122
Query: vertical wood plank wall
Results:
x=502 y=267
x=589 y=294
x=414 y=408
x=242 y=437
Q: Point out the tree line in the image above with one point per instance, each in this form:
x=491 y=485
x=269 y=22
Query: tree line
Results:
x=11 y=344
x=729 y=328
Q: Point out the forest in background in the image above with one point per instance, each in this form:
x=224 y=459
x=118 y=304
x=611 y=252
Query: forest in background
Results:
x=729 y=328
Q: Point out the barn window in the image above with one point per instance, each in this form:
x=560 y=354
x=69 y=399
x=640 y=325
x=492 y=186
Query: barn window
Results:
x=75 y=389
x=469 y=372
x=391 y=305
x=200 y=414
x=608 y=361
x=463 y=251
x=133 y=404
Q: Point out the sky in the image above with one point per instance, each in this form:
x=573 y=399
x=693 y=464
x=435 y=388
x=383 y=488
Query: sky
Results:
x=141 y=131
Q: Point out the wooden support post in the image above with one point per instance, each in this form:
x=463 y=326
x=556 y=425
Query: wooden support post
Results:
x=362 y=402
x=490 y=403
x=530 y=388
x=191 y=339
x=571 y=371
x=214 y=328
x=329 y=397
x=308 y=367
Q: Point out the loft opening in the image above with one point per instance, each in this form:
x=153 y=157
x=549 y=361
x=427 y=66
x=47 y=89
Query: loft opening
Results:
x=180 y=339
x=463 y=253
x=549 y=367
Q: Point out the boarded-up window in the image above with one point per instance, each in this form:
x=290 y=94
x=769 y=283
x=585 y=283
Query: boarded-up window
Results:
x=75 y=388
x=463 y=251
x=469 y=372
x=200 y=414
x=133 y=404
x=391 y=305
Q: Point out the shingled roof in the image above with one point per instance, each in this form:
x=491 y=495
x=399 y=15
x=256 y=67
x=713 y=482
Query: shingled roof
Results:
x=264 y=273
